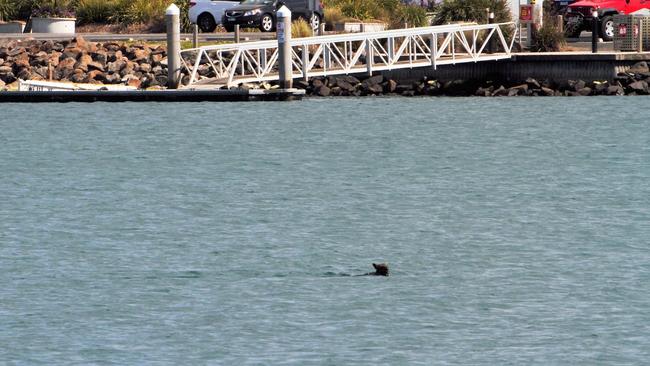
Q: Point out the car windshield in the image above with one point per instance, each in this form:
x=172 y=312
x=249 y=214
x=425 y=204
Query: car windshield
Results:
x=257 y=2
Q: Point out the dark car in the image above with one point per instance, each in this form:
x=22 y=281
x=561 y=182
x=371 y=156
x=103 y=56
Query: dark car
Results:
x=261 y=13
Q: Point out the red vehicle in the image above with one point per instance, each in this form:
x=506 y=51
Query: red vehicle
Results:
x=579 y=15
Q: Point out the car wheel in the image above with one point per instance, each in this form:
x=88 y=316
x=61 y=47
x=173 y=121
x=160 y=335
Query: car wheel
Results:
x=607 y=28
x=206 y=22
x=266 y=23
x=314 y=21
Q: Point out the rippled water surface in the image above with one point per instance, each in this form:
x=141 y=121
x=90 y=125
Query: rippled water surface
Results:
x=516 y=231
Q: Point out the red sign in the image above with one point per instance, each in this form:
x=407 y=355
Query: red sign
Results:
x=526 y=13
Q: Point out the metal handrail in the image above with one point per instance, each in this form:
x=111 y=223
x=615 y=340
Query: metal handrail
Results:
x=350 y=53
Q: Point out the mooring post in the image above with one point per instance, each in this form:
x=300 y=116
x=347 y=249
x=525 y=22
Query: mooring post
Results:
x=172 y=20
x=195 y=35
x=594 y=31
x=237 y=34
x=284 y=47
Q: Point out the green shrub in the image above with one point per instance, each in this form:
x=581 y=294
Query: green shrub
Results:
x=8 y=10
x=391 y=12
x=139 y=11
x=95 y=11
x=415 y=16
x=548 y=38
x=471 y=11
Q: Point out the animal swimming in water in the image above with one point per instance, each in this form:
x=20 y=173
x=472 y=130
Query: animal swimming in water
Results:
x=381 y=269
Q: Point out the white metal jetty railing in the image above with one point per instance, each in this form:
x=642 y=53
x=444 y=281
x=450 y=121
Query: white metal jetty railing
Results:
x=231 y=64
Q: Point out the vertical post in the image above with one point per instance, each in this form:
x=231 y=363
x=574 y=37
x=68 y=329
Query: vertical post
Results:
x=594 y=31
x=284 y=47
x=172 y=20
x=195 y=35
x=640 y=20
x=237 y=34
x=494 y=35
x=369 y=56
x=327 y=58
x=305 y=63
x=321 y=29
x=362 y=27
x=433 y=45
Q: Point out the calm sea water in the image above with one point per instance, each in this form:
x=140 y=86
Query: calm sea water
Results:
x=516 y=230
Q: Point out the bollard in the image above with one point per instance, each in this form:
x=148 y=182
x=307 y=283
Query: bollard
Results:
x=237 y=34
x=284 y=47
x=172 y=20
x=195 y=35
x=321 y=29
x=594 y=31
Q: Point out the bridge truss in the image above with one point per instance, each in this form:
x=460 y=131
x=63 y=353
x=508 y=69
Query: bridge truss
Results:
x=352 y=53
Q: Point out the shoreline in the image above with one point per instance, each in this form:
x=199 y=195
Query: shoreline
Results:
x=143 y=67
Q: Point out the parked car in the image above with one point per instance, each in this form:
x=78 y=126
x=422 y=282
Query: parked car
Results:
x=560 y=7
x=208 y=13
x=579 y=16
x=261 y=13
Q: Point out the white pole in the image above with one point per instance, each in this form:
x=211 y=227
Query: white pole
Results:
x=172 y=19
x=284 y=47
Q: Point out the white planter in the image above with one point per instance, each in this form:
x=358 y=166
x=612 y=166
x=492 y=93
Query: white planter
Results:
x=53 y=25
x=355 y=27
x=12 y=27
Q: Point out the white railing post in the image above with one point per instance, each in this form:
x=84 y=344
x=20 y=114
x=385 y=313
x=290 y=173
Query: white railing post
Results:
x=433 y=44
x=369 y=56
x=305 y=63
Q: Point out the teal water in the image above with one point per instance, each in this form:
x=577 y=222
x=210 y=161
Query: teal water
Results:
x=159 y=234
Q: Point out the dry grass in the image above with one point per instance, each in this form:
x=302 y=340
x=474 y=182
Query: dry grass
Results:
x=300 y=29
x=119 y=28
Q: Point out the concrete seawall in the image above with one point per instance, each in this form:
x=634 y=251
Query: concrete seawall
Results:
x=553 y=66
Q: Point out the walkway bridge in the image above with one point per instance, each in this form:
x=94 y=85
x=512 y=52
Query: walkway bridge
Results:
x=352 y=53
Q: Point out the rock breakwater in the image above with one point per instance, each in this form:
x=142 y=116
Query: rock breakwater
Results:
x=139 y=64
x=636 y=81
